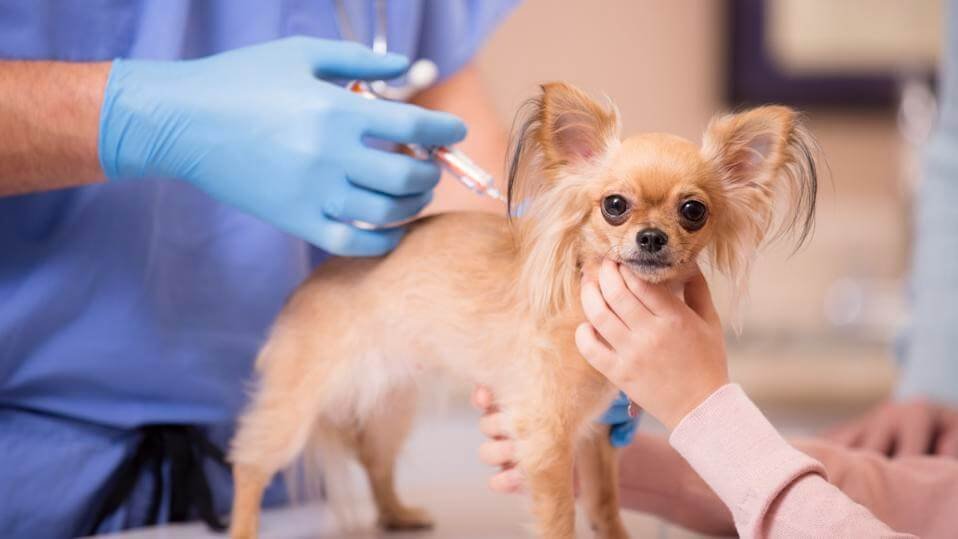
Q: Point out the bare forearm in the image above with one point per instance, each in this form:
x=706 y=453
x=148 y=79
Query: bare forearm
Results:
x=654 y=478
x=465 y=96
x=49 y=116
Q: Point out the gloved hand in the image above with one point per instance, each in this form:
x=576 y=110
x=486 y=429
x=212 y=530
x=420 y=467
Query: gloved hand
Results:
x=623 y=427
x=259 y=128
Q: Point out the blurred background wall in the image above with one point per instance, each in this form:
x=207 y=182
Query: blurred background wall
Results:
x=819 y=326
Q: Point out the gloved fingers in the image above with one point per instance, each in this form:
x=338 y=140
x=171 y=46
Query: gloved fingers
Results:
x=345 y=240
x=622 y=426
x=358 y=204
x=621 y=434
x=393 y=173
x=409 y=124
x=618 y=411
x=350 y=60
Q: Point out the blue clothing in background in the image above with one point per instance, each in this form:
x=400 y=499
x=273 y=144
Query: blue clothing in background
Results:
x=136 y=303
x=930 y=346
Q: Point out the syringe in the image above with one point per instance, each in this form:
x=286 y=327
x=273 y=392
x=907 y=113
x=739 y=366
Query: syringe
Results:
x=451 y=159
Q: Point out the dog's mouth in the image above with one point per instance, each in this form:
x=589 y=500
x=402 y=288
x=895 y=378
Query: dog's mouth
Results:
x=648 y=264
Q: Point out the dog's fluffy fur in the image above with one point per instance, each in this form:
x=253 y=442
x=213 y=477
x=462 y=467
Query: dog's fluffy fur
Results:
x=495 y=300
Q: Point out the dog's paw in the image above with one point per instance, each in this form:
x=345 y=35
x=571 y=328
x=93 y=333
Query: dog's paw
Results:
x=406 y=518
x=610 y=530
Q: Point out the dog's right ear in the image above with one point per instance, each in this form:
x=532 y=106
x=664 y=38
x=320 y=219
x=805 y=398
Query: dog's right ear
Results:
x=561 y=130
x=560 y=138
x=575 y=129
x=765 y=158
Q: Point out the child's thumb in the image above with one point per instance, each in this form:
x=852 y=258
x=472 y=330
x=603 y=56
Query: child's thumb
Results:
x=699 y=299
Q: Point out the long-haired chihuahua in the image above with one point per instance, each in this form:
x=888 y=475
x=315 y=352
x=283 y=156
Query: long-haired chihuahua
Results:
x=494 y=299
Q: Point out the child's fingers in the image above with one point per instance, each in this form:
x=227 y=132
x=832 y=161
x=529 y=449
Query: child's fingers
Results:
x=507 y=481
x=618 y=296
x=655 y=297
x=483 y=400
x=699 y=299
x=594 y=350
x=602 y=318
x=497 y=452
x=493 y=425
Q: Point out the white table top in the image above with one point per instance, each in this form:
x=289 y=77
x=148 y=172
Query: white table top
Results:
x=439 y=470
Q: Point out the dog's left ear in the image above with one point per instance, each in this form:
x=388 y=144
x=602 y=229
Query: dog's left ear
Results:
x=764 y=157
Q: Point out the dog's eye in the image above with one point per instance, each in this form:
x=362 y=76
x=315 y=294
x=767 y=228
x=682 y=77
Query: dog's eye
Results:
x=694 y=214
x=615 y=209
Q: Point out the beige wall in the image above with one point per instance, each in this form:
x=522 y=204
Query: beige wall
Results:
x=659 y=60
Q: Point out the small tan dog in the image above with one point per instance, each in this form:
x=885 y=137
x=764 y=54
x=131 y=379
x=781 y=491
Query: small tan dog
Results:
x=495 y=301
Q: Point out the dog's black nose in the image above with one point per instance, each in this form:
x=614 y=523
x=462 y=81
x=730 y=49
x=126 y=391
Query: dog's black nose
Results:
x=651 y=240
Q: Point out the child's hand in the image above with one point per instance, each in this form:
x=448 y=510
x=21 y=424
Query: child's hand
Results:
x=668 y=356
x=499 y=450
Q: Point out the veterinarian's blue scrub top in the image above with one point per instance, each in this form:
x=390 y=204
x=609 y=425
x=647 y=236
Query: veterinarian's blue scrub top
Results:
x=135 y=303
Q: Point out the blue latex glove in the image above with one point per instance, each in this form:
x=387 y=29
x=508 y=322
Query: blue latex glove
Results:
x=259 y=128
x=623 y=427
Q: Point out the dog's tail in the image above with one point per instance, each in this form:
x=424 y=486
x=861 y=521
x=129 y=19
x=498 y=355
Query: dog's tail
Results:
x=324 y=471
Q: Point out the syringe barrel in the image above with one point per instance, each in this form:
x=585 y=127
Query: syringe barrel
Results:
x=454 y=161
x=459 y=165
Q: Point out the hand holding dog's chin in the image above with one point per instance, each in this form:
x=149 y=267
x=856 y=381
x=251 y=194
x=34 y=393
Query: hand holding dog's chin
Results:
x=666 y=354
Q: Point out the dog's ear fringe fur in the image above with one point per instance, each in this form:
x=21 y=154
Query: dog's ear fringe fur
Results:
x=548 y=263
x=522 y=142
x=545 y=234
x=795 y=178
x=532 y=146
x=800 y=171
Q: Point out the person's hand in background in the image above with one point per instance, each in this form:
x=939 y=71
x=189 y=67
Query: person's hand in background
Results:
x=901 y=429
x=666 y=354
x=259 y=128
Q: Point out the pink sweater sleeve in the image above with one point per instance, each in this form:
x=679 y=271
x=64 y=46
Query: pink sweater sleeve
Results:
x=771 y=488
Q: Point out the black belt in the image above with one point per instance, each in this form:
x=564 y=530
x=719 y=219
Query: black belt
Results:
x=185 y=448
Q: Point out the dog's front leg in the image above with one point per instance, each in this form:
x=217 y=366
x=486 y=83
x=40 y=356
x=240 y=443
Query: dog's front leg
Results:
x=597 y=465
x=546 y=453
